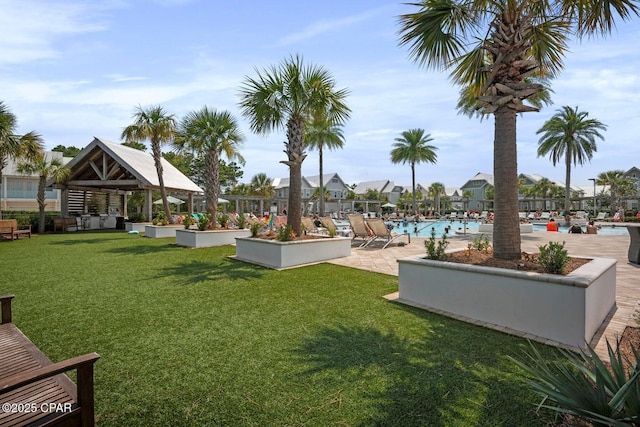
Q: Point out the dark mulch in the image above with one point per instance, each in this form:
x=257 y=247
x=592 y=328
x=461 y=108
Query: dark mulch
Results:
x=525 y=263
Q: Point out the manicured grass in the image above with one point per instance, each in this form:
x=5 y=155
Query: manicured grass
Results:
x=191 y=337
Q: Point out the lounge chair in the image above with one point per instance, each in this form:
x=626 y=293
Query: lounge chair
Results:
x=310 y=227
x=359 y=229
x=602 y=216
x=328 y=223
x=381 y=231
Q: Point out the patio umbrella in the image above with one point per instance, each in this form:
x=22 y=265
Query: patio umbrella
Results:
x=170 y=199
x=388 y=205
x=222 y=200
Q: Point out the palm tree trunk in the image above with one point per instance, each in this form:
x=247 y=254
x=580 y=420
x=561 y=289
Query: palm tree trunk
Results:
x=41 y=204
x=213 y=187
x=567 y=189
x=295 y=153
x=321 y=199
x=3 y=164
x=506 y=229
x=157 y=159
x=413 y=186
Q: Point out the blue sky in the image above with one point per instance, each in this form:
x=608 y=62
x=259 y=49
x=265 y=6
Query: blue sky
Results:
x=76 y=69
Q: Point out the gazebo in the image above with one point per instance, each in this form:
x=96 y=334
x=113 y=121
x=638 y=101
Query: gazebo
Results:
x=104 y=173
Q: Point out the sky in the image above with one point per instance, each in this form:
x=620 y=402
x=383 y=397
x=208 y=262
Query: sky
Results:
x=72 y=70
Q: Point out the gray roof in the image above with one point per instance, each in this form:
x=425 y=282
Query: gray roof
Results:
x=380 y=186
x=104 y=164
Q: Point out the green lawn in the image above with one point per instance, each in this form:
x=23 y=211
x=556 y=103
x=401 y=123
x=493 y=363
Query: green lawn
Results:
x=191 y=337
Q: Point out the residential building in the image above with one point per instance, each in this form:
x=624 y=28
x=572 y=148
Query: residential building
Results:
x=477 y=187
x=20 y=192
x=386 y=188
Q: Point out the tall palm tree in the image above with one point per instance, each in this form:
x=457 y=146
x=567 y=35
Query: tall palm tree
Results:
x=569 y=134
x=262 y=185
x=542 y=189
x=210 y=133
x=412 y=148
x=46 y=169
x=14 y=146
x=159 y=127
x=321 y=133
x=436 y=190
x=493 y=48
x=288 y=96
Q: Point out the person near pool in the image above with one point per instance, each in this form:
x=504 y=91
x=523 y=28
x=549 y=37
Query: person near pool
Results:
x=576 y=229
x=591 y=228
x=551 y=225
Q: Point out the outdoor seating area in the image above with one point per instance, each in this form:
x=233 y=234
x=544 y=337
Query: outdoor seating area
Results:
x=9 y=229
x=28 y=377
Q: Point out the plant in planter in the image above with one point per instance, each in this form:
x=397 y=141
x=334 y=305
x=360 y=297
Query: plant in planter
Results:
x=285 y=233
x=242 y=221
x=223 y=219
x=204 y=221
x=436 y=249
x=137 y=217
x=553 y=257
x=255 y=229
x=188 y=221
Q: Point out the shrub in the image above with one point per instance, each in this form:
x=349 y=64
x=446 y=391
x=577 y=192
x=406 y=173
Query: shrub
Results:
x=242 y=221
x=583 y=386
x=481 y=243
x=553 y=257
x=137 y=217
x=285 y=233
x=204 y=221
x=436 y=249
x=188 y=221
x=255 y=229
x=331 y=231
x=223 y=219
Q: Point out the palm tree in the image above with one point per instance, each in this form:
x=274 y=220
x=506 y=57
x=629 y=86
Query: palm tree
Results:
x=14 y=146
x=542 y=189
x=569 y=134
x=619 y=185
x=466 y=196
x=322 y=133
x=288 y=96
x=155 y=125
x=436 y=190
x=46 y=169
x=494 y=49
x=262 y=185
x=412 y=148
x=210 y=133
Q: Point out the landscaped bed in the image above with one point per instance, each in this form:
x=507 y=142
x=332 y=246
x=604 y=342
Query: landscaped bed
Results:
x=196 y=338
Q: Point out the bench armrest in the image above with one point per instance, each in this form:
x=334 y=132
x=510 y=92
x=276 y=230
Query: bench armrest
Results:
x=5 y=306
x=16 y=381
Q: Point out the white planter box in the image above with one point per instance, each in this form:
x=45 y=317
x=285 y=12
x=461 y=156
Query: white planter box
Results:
x=565 y=309
x=278 y=255
x=161 y=231
x=136 y=226
x=488 y=228
x=205 y=239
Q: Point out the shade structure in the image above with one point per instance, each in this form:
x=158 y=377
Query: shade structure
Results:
x=388 y=205
x=170 y=199
x=222 y=200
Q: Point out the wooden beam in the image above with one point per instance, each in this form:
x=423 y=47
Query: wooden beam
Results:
x=108 y=182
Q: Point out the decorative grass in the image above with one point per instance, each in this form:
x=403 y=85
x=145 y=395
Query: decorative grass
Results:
x=190 y=337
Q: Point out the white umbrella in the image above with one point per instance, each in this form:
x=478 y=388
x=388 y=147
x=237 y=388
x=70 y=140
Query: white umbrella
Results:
x=170 y=199
x=388 y=205
x=222 y=200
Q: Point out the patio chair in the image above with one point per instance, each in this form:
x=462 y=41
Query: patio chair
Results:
x=602 y=216
x=359 y=229
x=381 y=231
x=310 y=226
x=328 y=223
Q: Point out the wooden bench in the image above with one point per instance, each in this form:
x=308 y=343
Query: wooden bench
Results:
x=63 y=224
x=9 y=228
x=35 y=391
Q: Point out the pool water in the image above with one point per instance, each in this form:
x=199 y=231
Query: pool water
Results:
x=423 y=229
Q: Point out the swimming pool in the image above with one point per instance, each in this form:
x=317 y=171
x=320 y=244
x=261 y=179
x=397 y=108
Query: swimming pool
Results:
x=423 y=229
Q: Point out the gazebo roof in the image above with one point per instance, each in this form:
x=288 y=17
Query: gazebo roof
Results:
x=104 y=165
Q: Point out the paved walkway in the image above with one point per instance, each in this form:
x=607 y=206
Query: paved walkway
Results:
x=616 y=247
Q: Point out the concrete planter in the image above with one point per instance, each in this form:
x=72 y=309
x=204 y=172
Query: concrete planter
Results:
x=205 y=239
x=136 y=226
x=488 y=228
x=564 y=309
x=161 y=231
x=278 y=255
